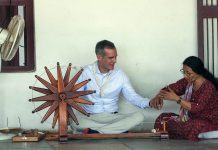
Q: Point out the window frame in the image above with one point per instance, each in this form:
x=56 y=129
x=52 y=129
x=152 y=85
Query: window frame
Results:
x=29 y=41
x=206 y=10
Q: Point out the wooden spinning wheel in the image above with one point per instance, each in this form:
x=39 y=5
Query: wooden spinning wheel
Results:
x=61 y=96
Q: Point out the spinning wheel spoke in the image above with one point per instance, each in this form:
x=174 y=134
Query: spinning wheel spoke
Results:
x=60 y=79
x=43 y=106
x=67 y=75
x=76 y=77
x=73 y=81
x=47 y=84
x=50 y=111
x=52 y=97
x=41 y=90
x=82 y=93
x=55 y=118
x=77 y=107
x=51 y=77
x=69 y=86
x=72 y=115
x=74 y=94
x=81 y=84
x=82 y=101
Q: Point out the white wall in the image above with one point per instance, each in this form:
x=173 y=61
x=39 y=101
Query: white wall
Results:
x=152 y=37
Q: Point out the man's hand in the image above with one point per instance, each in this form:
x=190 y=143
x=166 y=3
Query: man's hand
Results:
x=156 y=103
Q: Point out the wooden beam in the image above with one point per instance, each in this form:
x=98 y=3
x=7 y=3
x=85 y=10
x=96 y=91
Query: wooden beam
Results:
x=160 y=135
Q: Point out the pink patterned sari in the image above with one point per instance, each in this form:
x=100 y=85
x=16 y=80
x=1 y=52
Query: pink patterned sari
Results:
x=183 y=113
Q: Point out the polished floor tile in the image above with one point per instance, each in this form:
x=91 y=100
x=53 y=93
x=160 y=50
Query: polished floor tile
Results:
x=112 y=144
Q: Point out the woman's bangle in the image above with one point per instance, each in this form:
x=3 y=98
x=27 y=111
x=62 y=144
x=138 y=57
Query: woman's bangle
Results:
x=179 y=101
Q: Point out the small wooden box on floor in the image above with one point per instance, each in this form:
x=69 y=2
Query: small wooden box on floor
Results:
x=29 y=137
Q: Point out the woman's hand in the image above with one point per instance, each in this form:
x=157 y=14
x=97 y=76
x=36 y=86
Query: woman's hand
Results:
x=156 y=103
x=168 y=95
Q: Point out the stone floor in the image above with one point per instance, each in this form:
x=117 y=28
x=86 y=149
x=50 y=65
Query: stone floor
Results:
x=112 y=144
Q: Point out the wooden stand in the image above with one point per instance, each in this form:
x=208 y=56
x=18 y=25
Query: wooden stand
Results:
x=160 y=135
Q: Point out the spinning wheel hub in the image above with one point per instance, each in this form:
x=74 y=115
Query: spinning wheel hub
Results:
x=62 y=96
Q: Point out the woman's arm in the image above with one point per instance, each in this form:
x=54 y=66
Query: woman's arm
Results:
x=172 y=96
x=178 y=87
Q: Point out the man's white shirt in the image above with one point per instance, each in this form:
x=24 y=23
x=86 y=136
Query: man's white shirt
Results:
x=108 y=87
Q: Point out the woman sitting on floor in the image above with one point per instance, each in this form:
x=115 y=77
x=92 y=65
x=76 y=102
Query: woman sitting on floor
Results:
x=196 y=93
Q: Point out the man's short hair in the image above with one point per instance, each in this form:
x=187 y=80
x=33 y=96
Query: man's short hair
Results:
x=101 y=45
